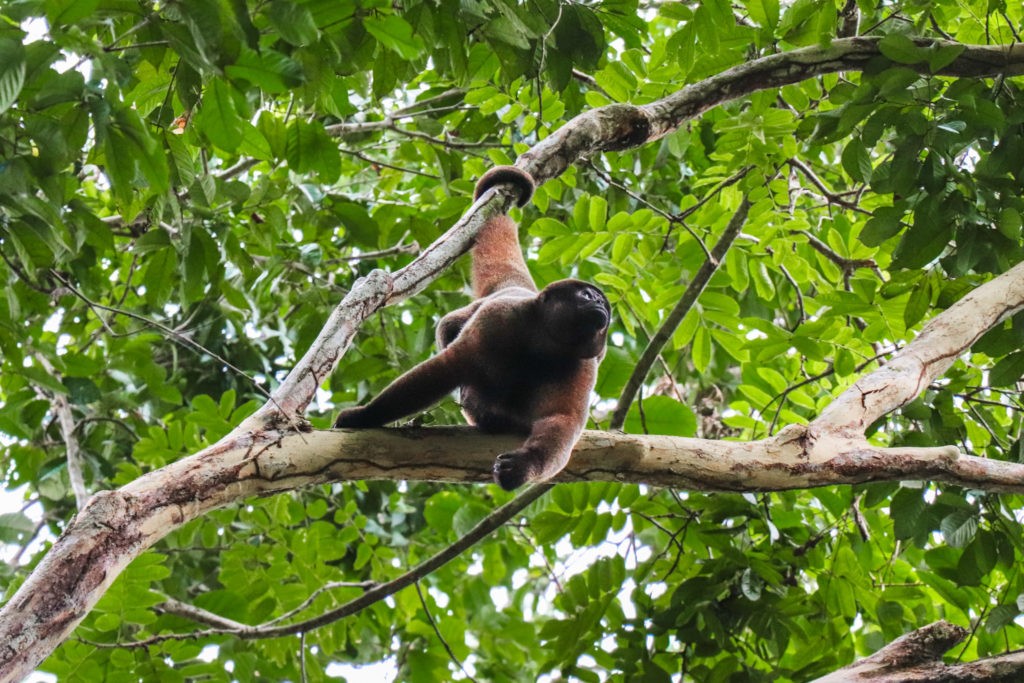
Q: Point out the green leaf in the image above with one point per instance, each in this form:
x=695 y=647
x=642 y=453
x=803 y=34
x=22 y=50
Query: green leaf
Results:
x=159 y=276
x=926 y=239
x=856 y=161
x=293 y=21
x=310 y=150
x=942 y=56
x=959 y=528
x=581 y=34
x=1009 y=223
x=394 y=33
x=268 y=70
x=918 y=304
x=12 y=72
x=69 y=12
x=1008 y=370
x=902 y=49
x=765 y=12
x=907 y=508
x=661 y=415
x=598 y=213
x=14 y=527
x=130 y=138
x=82 y=390
x=218 y=117
x=1000 y=617
x=701 y=349
x=845 y=364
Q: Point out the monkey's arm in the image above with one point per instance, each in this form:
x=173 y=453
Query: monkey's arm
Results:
x=543 y=455
x=416 y=390
x=561 y=416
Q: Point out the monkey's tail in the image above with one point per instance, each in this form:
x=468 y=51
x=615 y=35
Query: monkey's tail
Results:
x=510 y=175
x=497 y=257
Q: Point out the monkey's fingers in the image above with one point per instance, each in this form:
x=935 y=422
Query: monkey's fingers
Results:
x=355 y=418
x=513 y=469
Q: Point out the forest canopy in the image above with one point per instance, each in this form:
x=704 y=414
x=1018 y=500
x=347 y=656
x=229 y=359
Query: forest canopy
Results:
x=224 y=219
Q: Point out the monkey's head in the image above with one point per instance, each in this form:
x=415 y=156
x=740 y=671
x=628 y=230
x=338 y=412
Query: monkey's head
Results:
x=574 y=316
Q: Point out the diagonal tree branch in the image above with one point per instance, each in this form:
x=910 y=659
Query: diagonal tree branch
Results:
x=675 y=317
x=917 y=658
x=920 y=362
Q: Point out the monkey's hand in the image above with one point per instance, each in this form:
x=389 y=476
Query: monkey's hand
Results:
x=356 y=417
x=515 y=468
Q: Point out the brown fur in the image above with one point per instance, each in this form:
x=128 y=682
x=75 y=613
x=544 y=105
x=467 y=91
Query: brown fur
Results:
x=525 y=361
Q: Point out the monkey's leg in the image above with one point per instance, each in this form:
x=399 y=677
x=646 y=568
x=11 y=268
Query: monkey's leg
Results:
x=413 y=392
x=543 y=455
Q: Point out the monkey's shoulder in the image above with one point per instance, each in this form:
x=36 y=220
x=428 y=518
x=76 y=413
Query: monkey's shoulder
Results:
x=498 y=321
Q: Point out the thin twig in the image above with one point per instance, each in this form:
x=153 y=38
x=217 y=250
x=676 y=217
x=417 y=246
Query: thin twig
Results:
x=66 y=422
x=410 y=248
x=184 y=340
x=437 y=632
x=365 y=585
x=846 y=264
x=832 y=197
x=381 y=164
x=675 y=317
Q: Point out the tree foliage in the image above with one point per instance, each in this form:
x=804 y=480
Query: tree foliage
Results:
x=187 y=189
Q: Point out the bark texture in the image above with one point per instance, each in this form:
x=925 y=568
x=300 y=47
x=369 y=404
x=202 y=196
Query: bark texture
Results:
x=916 y=658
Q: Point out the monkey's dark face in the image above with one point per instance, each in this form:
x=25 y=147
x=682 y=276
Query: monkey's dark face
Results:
x=575 y=315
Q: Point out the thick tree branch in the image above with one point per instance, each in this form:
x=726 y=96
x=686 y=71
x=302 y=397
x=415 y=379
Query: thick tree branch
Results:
x=916 y=658
x=621 y=126
x=924 y=359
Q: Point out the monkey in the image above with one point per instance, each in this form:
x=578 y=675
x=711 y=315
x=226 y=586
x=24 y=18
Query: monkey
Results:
x=524 y=361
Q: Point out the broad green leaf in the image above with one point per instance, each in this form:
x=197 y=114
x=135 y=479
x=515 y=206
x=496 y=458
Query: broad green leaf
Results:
x=1008 y=370
x=270 y=71
x=959 y=528
x=12 y=72
x=218 y=117
x=856 y=161
x=701 y=348
x=394 y=33
x=310 y=150
x=1009 y=223
x=661 y=415
x=942 y=56
x=899 y=48
x=918 y=304
x=293 y=21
